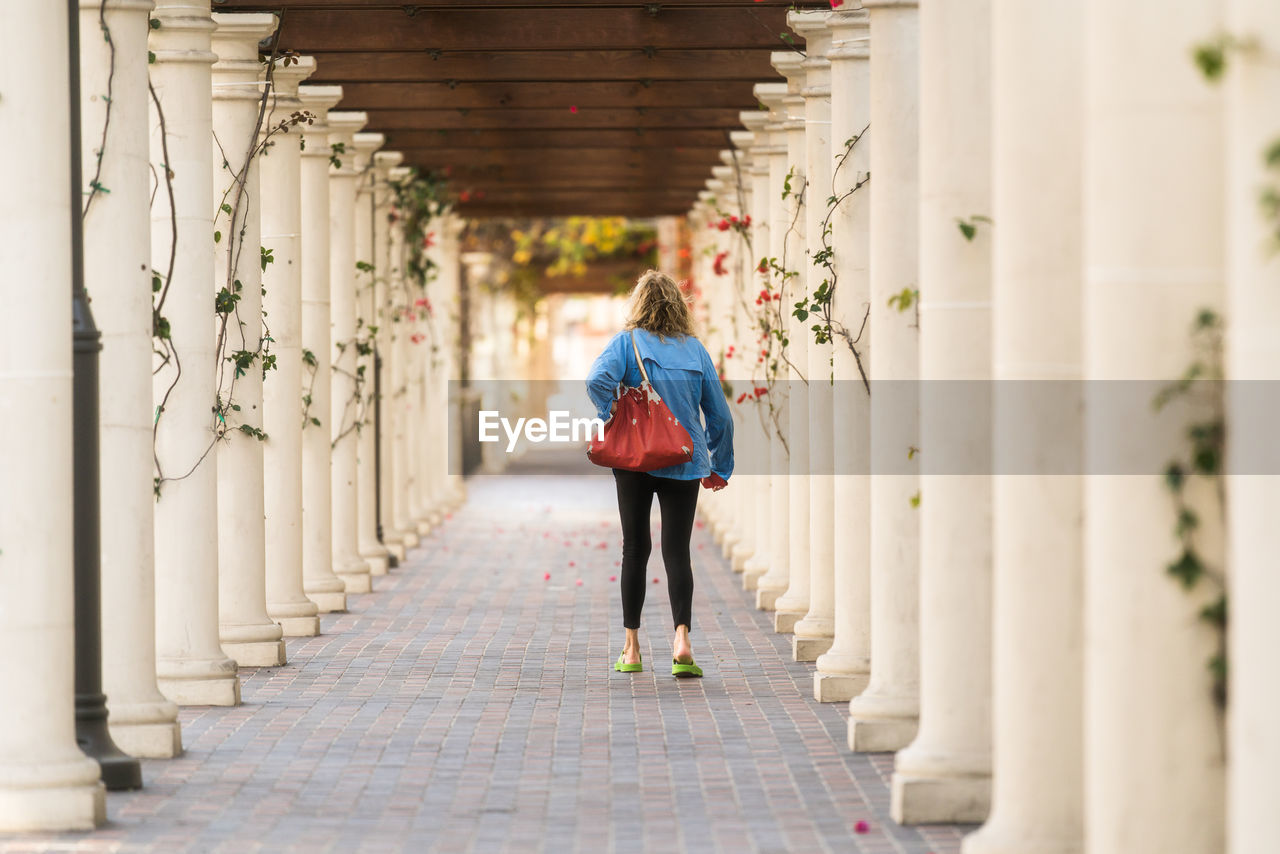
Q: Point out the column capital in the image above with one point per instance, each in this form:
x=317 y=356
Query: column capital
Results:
x=318 y=100
x=850 y=35
x=385 y=161
x=742 y=140
x=288 y=74
x=724 y=174
x=238 y=73
x=183 y=34
x=342 y=130
x=364 y=145
x=399 y=173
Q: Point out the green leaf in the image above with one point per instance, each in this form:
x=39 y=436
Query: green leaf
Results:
x=967 y=229
x=217 y=237
x=1187 y=569
x=1215 y=613
x=1174 y=477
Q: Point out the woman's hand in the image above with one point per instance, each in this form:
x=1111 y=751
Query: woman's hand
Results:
x=714 y=482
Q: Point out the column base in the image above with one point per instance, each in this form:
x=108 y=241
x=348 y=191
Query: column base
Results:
x=299 y=627
x=162 y=740
x=784 y=622
x=730 y=540
x=918 y=799
x=202 y=692
x=992 y=839
x=881 y=724
x=396 y=549
x=423 y=528
x=52 y=797
x=378 y=564
x=256 y=653
x=767 y=597
x=329 y=603
x=741 y=553
x=808 y=649
x=838 y=687
x=410 y=540
x=357 y=582
x=751 y=576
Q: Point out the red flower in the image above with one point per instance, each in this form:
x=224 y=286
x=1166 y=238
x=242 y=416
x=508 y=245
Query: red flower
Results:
x=742 y=397
x=429 y=240
x=723 y=225
x=718 y=267
x=683 y=252
x=573 y=109
x=836 y=4
x=763 y=268
x=760 y=391
x=464 y=196
x=861 y=826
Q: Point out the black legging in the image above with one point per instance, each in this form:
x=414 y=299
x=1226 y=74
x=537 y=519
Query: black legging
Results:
x=677 y=500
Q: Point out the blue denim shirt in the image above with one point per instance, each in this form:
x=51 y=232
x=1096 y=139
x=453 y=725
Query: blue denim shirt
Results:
x=682 y=372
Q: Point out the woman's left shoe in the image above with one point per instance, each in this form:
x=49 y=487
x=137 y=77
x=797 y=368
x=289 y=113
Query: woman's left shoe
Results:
x=623 y=667
x=685 y=670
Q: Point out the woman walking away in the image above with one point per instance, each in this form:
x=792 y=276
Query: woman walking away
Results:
x=682 y=373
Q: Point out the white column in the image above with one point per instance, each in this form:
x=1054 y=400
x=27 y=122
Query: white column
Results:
x=1037 y=103
x=117 y=269
x=945 y=775
x=344 y=409
x=843 y=670
x=397 y=400
x=884 y=716
x=191 y=667
x=454 y=487
x=1153 y=206
x=814 y=633
x=280 y=178
x=775 y=404
x=1253 y=353
x=322 y=586
x=740 y=500
x=46 y=783
x=384 y=162
x=248 y=634
x=371 y=549
x=793 y=603
x=758 y=429
x=755 y=441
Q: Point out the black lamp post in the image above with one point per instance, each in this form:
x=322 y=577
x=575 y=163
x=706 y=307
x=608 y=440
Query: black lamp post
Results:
x=119 y=770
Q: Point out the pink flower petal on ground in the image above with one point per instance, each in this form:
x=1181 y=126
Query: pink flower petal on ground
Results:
x=861 y=827
x=571 y=563
x=578 y=582
x=546 y=576
x=655 y=579
x=613 y=578
x=603 y=546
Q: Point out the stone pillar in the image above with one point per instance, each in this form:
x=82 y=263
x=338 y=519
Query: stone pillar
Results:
x=1037 y=102
x=344 y=409
x=454 y=487
x=46 y=783
x=280 y=178
x=1153 y=243
x=191 y=667
x=814 y=633
x=759 y=432
x=775 y=403
x=248 y=634
x=319 y=581
x=384 y=162
x=1253 y=353
x=945 y=775
x=371 y=549
x=793 y=369
x=397 y=402
x=843 y=669
x=117 y=264
x=739 y=502
x=884 y=716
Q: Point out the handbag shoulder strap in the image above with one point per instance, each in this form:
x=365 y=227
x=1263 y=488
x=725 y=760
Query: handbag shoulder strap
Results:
x=639 y=361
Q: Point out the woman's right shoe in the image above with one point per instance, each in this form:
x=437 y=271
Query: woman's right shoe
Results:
x=622 y=667
x=685 y=669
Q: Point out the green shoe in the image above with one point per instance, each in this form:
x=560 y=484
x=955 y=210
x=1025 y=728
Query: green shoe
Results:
x=685 y=670
x=622 y=667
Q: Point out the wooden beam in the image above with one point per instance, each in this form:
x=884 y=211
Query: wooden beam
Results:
x=610 y=157
x=309 y=30
x=552 y=119
x=587 y=207
x=549 y=65
x=584 y=95
x=366 y=5
x=577 y=140
x=461 y=177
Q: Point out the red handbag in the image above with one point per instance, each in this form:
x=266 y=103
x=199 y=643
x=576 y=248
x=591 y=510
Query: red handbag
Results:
x=642 y=434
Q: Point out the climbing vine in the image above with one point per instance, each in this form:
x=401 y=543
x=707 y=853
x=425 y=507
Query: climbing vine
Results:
x=1201 y=387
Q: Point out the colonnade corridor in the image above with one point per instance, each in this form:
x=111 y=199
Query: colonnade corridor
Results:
x=468 y=705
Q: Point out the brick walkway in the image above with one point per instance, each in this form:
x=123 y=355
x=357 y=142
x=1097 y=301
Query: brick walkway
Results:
x=470 y=706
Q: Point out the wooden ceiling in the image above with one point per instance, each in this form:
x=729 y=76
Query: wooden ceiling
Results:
x=547 y=107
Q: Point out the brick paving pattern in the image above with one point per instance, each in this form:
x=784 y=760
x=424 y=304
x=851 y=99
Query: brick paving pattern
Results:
x=469 y=705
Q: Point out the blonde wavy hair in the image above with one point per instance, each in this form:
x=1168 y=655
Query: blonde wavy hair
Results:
x=657 y=305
